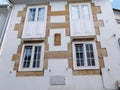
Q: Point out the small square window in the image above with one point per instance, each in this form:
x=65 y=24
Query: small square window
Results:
x=32 y=57
x=85 y=55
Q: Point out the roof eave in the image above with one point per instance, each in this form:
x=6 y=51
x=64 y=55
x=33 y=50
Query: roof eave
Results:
x=34 y=1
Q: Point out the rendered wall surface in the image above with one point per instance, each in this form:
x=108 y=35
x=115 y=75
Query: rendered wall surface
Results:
x=107 y=39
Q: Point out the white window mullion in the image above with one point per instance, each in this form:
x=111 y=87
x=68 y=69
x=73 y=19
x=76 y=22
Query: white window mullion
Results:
x=41 y=54
x=23 y=56
x=95 y=55
x=32 y=57
x=36 y=14
x=85 y=58
x=81 y=20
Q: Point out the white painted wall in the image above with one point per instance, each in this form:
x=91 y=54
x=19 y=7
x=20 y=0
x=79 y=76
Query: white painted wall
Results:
x=111 y=72
x=57 y=19
x=58 y=6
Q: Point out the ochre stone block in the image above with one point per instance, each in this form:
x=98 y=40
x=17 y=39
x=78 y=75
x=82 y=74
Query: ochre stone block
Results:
x=99 y=23
x=58 y=13
x=19 y=26
x=45 y=63
x=86 y=72
x=19 y=35
x=96 y=10
x=57 y=55
x=67 y=32
x=21 y=14
x=70 y=63
x=98 y=45
x=104 y=52
x=101 y=63
x=16 y=65
x=28 y=73
x=16 y=57
x=58 y=25
x=97 y=31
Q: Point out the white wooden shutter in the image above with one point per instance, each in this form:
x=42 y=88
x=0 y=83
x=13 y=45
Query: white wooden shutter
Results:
x=28 y=30
x=39 y=29
x=76 y=27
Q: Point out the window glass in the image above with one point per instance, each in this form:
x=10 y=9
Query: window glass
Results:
x=79 y=54
x=85 y=11
x=36 y=60
x=41 y=14
x=75 y=12
x=90 y=55
x=31 y=16
x=27 y=56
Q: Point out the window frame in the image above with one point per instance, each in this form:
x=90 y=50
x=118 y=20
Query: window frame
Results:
x=81 y=19
x=31 y=27
x=95 y=56
x=31 y=68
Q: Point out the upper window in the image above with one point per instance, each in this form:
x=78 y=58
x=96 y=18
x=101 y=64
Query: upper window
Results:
x=81 y=20
x=35 y=22
x=85 y=55
x=32 y=57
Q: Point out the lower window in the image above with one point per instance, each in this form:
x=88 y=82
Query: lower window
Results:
x=32 y=57
x=85 y=55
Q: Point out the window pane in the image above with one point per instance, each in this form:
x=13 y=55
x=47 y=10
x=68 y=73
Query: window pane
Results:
x=31 y=16
x=27 y=56
x=75 y=12
x=90 y=55
x=78 y=62
x=37 y=53
x=3 y=19
x=85 y=12
x=41 y=14
x=79 y=54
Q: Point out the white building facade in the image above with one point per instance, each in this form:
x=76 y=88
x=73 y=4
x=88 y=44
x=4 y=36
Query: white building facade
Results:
x=60 y=45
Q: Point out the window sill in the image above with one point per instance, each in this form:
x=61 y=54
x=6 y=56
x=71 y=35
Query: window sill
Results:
x=86 y=68
x=31 y=69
